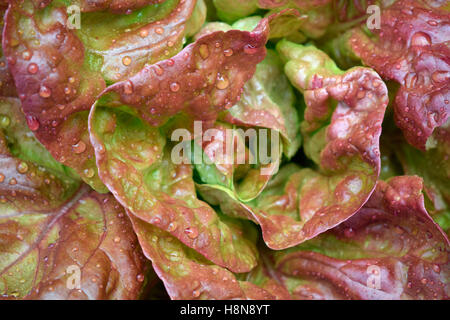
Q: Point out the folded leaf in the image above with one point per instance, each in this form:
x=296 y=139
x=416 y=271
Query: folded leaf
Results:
x=264 y=103
x=433 y=166
x=59 y=69
x=411 y=48
x=139 y=170
x=341 y=130
x=59 y=240
x=268 y=102
x=224 y=159
x=390 y=249
x=205 y=78
x=187 y=275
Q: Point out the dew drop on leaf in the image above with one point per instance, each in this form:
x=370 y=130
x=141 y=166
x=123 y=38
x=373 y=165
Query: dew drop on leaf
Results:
x=140 y=277
x=174 y=87
x=191 y=232
x=5 y=121
x=22 y=167
x=228 y=52
x=80 y=147
x=33 y=68
x=420 y=39
x=222 y=82
x=204 y=51
x=45 y=92
x=33 y=123
x=126 y=61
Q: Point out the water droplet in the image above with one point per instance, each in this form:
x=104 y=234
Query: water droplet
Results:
x=228 y=52
x=172 y=227
x=22 y=167
x=249 y=49
x=5 y=121
x=117 y=239
x=45 y=92
x=159 y=30
x=156 y=220
x=158 y=70
x=71 y=80
x=33 y=123
x=432 y=23
x=26 y=55
x=424 y=281
x=222 y=82
x=80 y=147
x=2 y=177
x=196 y=293
x=143 y=33
x=89 y=173
x=128 y=87
x=174 y=87
x=436 y=268
x=204 y=51
x=33 y=68
x=140 y=277
x=126 y=61
x=67 y=90
x=420 y=39
x=191 y=232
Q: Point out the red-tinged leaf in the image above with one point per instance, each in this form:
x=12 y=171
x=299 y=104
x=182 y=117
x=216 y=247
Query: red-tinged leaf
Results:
x=223 y=160
x=268 y=104
x=125 y=50
x=187 y=275
x=43 y=250
x=59 y=71
x=205 y=78
x=341 y=130
x=432 y=166
x=142 y=174
x=411 y=48
x=55 y=86
x=390 y=249
x=7 y=87
x=52 y=230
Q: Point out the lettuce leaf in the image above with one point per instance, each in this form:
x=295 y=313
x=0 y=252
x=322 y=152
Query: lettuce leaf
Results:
x=341 y=130
x=53 y=229
x=59 y=71
x=390 y=249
